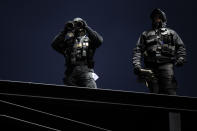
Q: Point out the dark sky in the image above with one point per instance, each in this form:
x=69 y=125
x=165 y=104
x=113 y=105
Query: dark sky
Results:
x=27 y=28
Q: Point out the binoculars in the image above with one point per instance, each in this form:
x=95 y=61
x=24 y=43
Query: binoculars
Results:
x=70 y=25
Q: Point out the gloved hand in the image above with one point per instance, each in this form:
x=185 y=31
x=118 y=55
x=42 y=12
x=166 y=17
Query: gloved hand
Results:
x=84 y=23
x=180 y=61
x=137 y=70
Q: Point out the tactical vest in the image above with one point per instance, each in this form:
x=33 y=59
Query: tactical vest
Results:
x=80 y=52
x=159 y=46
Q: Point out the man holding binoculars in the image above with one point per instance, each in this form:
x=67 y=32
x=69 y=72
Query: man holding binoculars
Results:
x=78 y=43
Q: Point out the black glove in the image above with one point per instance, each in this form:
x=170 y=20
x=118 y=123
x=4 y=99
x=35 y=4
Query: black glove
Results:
x=180 y=61
x=84 y=23
x=137 y=70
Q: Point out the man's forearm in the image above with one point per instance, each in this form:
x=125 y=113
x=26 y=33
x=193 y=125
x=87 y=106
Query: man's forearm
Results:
x=94 y=36
x=58 y=42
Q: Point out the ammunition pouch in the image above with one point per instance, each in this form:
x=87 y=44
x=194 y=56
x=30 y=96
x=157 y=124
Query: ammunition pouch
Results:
x=168 y=50
x=153 y=50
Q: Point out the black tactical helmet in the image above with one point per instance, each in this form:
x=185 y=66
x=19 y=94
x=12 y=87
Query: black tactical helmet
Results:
x=77 y=19
x=159 y=12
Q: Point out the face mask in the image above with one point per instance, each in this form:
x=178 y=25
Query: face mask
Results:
x=157 y=25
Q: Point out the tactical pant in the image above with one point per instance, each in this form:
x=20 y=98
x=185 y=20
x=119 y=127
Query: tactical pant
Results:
x=164 y=81
x=80 y=76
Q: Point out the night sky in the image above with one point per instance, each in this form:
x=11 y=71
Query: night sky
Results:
x=27 y=28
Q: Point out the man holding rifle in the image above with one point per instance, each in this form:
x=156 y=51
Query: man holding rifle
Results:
x=160 y=48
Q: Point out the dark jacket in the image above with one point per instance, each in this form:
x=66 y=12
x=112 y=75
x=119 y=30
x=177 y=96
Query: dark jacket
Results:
x=64 y=45
x=158 y=46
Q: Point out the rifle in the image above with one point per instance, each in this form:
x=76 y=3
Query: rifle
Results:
x=145 y=75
